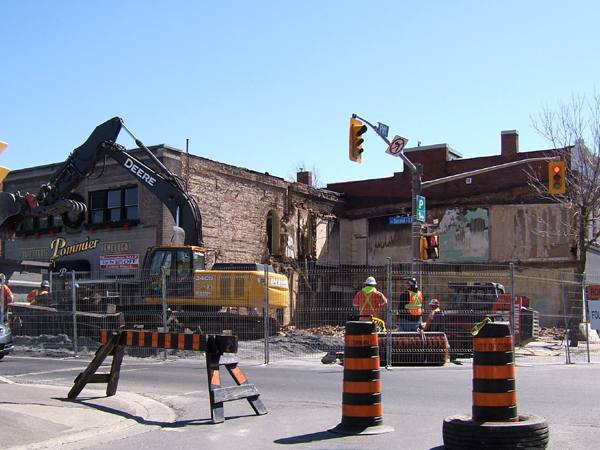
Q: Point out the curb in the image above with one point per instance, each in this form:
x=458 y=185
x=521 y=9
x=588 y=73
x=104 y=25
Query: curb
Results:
x=87 y=421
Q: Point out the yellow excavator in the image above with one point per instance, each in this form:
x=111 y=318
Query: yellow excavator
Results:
x=189 y=286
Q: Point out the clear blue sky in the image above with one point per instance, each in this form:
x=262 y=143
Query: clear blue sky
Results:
x=271 y=85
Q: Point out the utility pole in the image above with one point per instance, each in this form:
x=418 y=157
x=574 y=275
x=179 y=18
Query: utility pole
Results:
x=416 y=225
x=416 y=171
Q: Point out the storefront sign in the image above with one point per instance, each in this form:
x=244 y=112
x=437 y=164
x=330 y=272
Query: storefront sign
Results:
x=120 y=262
x=115 y=247
x=35 y=253
x=59 y=247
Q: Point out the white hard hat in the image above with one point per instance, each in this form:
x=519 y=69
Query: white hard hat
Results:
x=371 y=281
x=45 y=283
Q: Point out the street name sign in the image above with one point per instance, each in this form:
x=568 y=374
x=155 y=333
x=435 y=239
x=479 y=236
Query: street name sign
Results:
x=400 y=220
x=382 y=129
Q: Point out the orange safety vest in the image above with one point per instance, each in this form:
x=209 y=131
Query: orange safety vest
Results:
x=415 y=303
x=429 y=321
x=32 y=296
x=363 y=302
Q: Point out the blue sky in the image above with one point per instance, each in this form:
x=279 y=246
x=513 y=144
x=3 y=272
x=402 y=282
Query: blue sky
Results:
x=271 y=85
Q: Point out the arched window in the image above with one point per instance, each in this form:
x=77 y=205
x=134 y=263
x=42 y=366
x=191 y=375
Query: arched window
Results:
x=273 y=232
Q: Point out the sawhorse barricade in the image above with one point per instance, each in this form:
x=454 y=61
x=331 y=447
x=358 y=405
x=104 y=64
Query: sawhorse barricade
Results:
x=214 y=346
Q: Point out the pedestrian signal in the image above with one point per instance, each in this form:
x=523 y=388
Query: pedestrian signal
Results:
x=430 y=247
x=357 y=129
x=556 y=177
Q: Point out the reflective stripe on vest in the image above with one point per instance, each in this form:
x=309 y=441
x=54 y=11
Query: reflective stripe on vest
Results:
x=367 y=301
x=414 y=306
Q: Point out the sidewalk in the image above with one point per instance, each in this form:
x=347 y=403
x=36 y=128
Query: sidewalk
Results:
x=41 y=416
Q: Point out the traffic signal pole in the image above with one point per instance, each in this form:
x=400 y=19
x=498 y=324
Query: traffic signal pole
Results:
x=459 y=176
x=416 y=171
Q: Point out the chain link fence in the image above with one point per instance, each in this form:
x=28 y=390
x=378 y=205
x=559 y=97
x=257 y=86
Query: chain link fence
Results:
x=546 y=310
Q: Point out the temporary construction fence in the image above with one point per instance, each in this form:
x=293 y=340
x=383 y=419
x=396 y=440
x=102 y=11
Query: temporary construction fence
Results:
x=546 y=309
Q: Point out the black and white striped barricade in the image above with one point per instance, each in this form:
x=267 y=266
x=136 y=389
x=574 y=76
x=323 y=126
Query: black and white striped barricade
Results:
x=214 y=346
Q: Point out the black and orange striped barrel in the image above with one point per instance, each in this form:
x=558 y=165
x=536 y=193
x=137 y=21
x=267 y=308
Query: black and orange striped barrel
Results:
x=361 y=399
x=494 y=390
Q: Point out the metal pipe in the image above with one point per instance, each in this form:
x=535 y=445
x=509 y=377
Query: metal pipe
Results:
x=266 y=314
x=163 y=278
x=73 y=298
x=388 y=347
x=512 y=301
x=586 y=316
x=567 y=351
x=459 y=176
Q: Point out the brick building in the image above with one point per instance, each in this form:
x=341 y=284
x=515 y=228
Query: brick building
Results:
x=493 y=217
x=247 y=216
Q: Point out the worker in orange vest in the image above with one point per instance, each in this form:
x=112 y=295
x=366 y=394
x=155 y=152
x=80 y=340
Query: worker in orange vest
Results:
x=44 y=289
x=369 y=300
x=8 y=299
x=431 y=323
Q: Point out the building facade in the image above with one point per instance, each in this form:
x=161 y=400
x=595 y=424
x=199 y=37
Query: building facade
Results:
x=494 y=217
x=247 y=216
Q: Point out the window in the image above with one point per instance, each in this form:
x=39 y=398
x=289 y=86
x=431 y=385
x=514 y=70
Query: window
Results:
x=114 y=205
x=41 y=223
x=273 y=230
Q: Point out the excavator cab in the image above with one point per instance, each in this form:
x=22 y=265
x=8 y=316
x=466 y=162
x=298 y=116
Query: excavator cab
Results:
x=180 y=263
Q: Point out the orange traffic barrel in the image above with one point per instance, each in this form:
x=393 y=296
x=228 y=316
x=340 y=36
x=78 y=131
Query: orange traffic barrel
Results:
x=362 y=410
x=494 y=390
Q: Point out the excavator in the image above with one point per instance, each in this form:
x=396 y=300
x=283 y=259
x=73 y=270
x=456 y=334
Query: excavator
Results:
x=191 y=289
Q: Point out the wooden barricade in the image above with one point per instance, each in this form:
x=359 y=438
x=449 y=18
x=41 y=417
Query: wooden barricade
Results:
x=115 y=342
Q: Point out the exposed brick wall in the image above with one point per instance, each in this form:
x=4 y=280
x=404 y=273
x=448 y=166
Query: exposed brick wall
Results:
x=234 y=203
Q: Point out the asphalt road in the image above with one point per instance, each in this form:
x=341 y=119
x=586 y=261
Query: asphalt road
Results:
x=303 y=399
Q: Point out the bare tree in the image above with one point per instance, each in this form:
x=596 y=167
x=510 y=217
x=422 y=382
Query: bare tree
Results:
x=574 y=131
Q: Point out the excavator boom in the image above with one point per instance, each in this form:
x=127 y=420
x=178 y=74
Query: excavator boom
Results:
x=52 y=198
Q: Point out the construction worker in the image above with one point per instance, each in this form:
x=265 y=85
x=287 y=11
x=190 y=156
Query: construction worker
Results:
x=431 y=323
x=8 y=299
x=369 y=300
x=44 y=289
x=410 y=306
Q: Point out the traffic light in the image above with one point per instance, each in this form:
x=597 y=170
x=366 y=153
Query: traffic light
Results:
x=357 y=129
x=556 y=177
x=3 y=170
x=430 y=247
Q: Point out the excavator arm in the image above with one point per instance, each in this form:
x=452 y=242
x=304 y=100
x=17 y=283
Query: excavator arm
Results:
x=52 y=198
